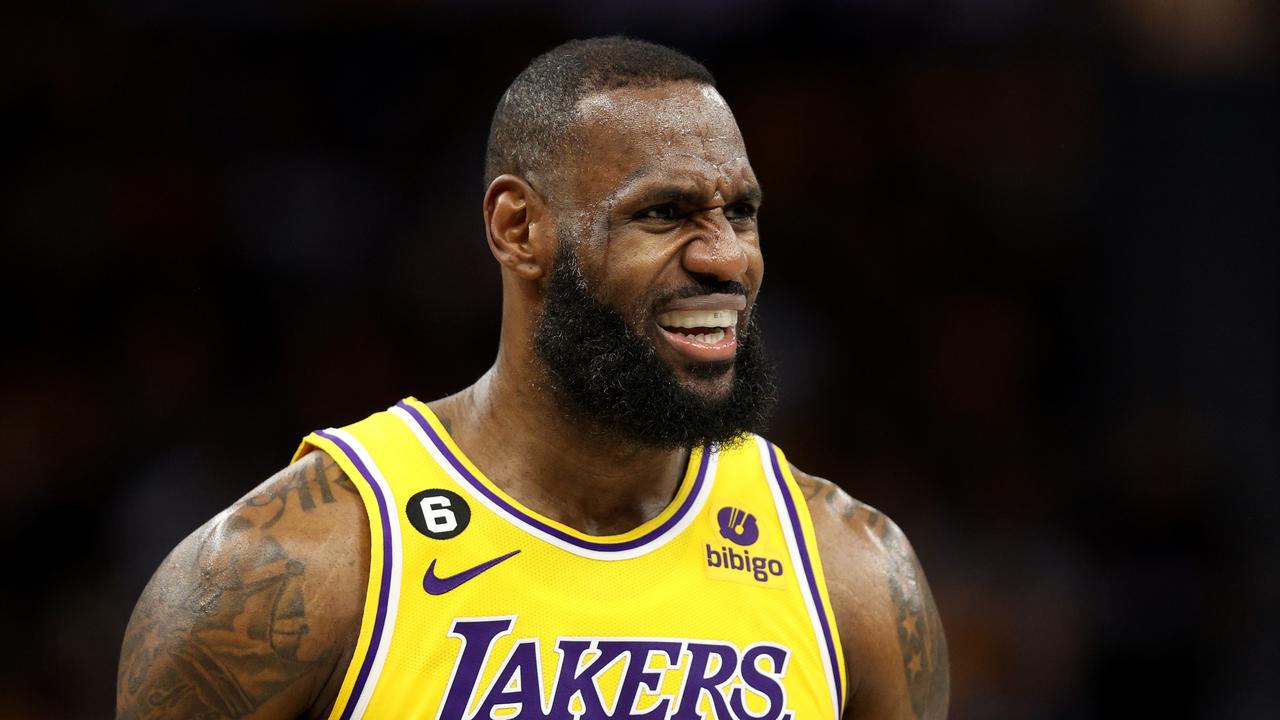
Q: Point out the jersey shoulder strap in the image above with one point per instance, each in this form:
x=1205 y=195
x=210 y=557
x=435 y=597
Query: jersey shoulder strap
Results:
x=797 y=524
x=370 y=452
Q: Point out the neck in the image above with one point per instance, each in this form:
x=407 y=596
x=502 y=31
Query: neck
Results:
x=516 y=432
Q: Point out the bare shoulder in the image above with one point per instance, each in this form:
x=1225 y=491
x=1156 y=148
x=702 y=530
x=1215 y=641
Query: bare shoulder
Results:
x=894 y=644
x=255 y=614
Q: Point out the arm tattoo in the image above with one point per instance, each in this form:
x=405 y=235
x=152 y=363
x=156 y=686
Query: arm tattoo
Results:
x=238 y=629
x=322 y=474
x=231 y=634
x=808 y=484
x=920 y=635
x=921 y=639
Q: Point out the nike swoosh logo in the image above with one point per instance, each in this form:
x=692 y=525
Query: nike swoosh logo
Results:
x=440 y=585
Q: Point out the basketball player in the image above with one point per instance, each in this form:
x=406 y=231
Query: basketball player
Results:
x=592 y=529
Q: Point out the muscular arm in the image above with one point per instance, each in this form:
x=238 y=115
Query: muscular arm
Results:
x=894 y=645
x=255 y=614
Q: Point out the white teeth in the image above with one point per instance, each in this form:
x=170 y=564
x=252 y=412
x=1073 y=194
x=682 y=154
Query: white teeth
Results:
x=699 y=318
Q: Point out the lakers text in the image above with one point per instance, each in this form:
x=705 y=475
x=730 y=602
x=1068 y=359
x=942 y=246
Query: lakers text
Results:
x=599 y=678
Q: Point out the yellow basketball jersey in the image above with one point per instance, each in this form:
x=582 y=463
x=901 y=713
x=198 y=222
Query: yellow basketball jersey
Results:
x=478 y=607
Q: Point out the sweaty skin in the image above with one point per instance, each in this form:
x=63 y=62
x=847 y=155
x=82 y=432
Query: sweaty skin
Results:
x=255 y=615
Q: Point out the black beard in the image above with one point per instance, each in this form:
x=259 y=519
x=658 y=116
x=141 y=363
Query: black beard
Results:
x=612 y=380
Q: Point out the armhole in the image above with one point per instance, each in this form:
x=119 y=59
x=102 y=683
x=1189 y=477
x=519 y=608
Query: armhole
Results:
x=377 y=621
x=793 y=512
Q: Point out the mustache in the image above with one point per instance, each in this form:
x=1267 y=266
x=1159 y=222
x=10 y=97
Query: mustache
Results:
x=703 y=287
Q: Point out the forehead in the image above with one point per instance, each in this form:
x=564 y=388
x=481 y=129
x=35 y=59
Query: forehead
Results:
x=675 y=131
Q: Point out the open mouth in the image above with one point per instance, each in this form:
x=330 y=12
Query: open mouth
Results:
x=703 y=335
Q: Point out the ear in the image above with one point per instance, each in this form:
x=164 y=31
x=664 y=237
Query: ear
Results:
x=517 y=225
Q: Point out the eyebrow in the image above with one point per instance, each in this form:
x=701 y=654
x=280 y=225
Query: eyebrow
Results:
x=679 y=193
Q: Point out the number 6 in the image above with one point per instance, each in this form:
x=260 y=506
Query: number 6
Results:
x=438 y=514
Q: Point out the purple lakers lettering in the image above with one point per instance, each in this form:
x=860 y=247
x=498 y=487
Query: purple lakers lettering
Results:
x=717 y=676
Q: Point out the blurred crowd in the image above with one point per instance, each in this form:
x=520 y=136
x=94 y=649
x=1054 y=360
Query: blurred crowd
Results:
x=1021 y=290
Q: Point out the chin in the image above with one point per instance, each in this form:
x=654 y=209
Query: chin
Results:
x=713 y=381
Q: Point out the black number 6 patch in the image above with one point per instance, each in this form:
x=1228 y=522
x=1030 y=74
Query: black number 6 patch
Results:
x=439 y=514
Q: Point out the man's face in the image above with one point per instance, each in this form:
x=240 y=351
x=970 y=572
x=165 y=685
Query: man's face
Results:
x=664 y=199
x=656 y=216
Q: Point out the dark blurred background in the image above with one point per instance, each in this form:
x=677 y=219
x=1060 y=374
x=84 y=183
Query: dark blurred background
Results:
x=1022 y=290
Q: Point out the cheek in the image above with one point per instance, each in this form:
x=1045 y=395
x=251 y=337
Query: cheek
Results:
x=755 y=266
x=622 y=287
x=633 y=267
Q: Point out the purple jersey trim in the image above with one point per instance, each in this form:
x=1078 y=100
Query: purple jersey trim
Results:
x=555 y=532
x=380 y=619
x=809 y=575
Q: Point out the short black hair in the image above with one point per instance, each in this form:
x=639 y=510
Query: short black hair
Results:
x=537 y=111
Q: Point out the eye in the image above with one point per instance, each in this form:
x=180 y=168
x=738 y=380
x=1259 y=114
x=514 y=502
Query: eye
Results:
x=741 y=212
x=666 y=211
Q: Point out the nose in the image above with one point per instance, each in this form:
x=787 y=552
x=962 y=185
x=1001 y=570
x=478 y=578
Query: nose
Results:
x=715 y=250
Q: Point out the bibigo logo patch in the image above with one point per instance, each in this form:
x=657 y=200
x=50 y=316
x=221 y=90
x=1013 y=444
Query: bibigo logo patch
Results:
x=748 y=556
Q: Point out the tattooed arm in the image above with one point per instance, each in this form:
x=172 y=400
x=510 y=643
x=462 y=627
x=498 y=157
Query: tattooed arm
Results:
x=894 y=646
x=255 y=615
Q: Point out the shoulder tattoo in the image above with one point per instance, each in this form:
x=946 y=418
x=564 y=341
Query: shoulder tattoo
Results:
x=310 y=483
x=223 y=627
x=921 y=639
